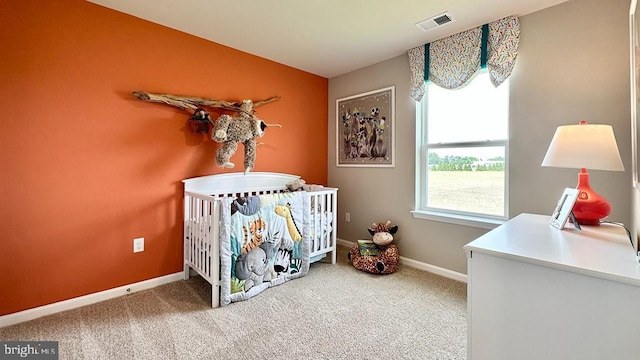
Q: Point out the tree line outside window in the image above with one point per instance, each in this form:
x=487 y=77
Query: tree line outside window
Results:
x=464 y=163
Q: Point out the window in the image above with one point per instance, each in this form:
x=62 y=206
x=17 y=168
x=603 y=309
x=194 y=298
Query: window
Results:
x=462 y=152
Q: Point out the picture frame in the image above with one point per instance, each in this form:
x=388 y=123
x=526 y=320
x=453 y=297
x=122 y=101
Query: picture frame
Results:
x=365 y=129
x=563 y=210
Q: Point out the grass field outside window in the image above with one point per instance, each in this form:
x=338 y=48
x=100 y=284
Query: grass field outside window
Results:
x=479 y=192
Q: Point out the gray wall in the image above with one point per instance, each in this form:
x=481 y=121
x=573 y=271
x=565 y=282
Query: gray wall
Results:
x=573 y=65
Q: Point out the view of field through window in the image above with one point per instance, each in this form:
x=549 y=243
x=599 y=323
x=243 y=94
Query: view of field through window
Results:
x=466 y=138
x=479 y=192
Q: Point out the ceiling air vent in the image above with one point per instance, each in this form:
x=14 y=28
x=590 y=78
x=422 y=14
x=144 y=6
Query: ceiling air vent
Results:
x=435 y=21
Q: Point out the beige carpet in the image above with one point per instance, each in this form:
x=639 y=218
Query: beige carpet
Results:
x=335 y=312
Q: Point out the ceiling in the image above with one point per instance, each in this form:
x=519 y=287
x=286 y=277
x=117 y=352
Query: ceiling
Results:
x=322 y=37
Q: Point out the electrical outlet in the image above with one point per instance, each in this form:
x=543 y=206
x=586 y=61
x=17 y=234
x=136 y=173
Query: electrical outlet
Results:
x=138 y=245
x=347 y=217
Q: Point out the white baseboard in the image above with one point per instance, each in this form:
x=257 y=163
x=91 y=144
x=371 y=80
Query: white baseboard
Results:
x=35 y=313
x=420 y=265
x=434 y=269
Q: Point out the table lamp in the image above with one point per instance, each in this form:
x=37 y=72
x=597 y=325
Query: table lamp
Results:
x=585 y=146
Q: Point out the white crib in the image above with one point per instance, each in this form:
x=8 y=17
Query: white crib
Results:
x=202 y=203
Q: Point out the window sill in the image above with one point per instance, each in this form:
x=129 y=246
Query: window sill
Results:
x=458 y=219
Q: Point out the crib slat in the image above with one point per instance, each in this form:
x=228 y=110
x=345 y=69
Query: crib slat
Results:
x=324 y=219
x=215 y=254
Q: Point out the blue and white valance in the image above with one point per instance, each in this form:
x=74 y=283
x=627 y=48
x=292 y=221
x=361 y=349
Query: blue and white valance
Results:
x=452 y=61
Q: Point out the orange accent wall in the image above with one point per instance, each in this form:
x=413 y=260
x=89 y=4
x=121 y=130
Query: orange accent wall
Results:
x=87 y=167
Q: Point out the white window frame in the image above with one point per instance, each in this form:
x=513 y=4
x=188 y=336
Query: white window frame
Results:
x=421 y=211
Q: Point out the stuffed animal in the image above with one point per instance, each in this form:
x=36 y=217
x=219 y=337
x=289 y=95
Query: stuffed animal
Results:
x=244 y=128
x=296 y=185
x=386 y=258
x=385 y=262
x=383 y=233
x=200 y=121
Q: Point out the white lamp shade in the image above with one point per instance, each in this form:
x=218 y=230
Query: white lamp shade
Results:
x=589 y=146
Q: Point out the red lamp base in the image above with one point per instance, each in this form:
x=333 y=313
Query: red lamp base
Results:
x=590 y=207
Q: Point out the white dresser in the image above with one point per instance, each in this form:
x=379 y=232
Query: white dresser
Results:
x=536 y=292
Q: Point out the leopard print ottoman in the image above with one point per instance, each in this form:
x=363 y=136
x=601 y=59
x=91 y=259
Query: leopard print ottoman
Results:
x=385 y=263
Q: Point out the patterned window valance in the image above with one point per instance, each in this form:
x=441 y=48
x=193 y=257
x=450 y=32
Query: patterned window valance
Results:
x=452 y=61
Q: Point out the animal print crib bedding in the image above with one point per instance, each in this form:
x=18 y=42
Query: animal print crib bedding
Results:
x=264 y=241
